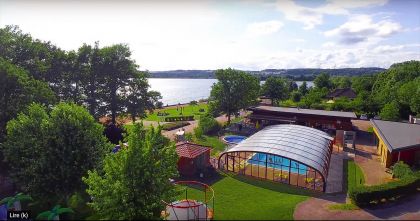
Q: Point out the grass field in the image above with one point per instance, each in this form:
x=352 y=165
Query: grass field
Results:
x=188 y=110
x=355 y=175
x=245 y=198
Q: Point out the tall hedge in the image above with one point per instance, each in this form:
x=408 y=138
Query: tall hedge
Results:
x=368 y=195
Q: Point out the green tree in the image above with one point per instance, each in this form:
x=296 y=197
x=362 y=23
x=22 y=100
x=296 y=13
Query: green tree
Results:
x=135 y=180
x=390 y=112
x=192 y=104
x=314 y=95
x=389 y=81
x=363 y=83
x=303 y=89
x=323 y=80
x=408 y=95
x=276 y=89
x=118 y=69
x=18 y=90
x=90 y=60
x=341 y=82
x=208 y=124
x=138 y=98
x=50 y=152
x=296 y=95
x=292 y=85
x=234 y=91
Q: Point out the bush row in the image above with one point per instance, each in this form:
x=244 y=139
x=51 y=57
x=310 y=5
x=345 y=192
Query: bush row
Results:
x=368 y=195
x=179 y=118
x=174 y=125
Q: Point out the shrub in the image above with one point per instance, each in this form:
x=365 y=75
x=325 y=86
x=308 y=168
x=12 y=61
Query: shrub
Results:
x=317 y=106
x=188 y=136
x=198 y=132
x=174 y=125
x=179 y=118
x=401 y=170
x=368 y=195
x=287 y=103
x=296 y=96
x=208 y=124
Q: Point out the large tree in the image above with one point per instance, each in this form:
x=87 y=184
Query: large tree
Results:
x=276 y=88
x=341 y=82
x=323 y=80
x=233 y=91
x=137 y=96
x=50 y=152
x=89 y=62
x=135 y=180
x=303 y=89
x=118 y=69
x=390 y=112
x=17 y=90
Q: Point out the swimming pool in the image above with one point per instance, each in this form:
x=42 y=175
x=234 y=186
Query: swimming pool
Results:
x=233 y=139
x=277 y=162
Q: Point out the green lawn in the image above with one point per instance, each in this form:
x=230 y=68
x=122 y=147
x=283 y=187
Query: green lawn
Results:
x=173 y=112
x=212 y=141
x=343 y=206
x=242 y=198
x=355 y=175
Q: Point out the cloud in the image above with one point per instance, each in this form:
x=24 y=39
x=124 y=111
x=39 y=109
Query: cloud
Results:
x=294 y=12
x=388 y=48
x=312 y=17
x=361 y=28
x=298 y=40
x=263 y=28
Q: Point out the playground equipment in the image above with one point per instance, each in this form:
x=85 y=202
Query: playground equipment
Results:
x=191 y=209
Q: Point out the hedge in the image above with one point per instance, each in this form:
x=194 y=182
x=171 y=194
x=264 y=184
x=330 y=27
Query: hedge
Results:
x=174 y=125
x=369 y=195
x=179 y=118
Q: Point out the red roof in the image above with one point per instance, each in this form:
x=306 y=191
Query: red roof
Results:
x=190 y=150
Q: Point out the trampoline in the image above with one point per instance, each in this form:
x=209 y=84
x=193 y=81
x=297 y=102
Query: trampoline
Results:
x=191 y=209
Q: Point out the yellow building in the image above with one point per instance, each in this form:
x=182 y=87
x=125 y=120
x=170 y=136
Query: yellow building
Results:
x=397 y=141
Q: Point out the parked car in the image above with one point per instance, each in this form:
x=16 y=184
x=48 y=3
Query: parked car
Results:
x=376 y=117
x=363 y=117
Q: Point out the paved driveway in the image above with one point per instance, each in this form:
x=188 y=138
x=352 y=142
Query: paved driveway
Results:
x=317 y=209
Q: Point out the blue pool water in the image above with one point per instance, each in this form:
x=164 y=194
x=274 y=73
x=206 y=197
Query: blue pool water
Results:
x=234 y=139
x=277 y=163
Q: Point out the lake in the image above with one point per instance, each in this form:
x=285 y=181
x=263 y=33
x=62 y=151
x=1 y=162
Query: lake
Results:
x=177 y=90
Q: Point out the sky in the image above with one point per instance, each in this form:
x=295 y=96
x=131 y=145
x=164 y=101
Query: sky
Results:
x=247 y=35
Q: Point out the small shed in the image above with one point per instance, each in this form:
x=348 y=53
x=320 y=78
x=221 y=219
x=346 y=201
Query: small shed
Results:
x=192 y=158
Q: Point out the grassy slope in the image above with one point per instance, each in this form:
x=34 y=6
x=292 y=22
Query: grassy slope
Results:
x=248 y=198
x=188 y=110
x=355 y=175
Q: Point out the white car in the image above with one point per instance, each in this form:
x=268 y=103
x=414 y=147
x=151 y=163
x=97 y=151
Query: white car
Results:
x=363 y=117
x=376 y=117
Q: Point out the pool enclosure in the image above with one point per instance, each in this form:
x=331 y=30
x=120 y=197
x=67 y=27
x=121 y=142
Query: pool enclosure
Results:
x=286 y=153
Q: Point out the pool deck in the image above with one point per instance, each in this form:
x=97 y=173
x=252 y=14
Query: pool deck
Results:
x=335 y=172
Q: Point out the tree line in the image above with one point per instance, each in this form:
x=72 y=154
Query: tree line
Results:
x=105 y=80
x=51 y=143
x=392 y=94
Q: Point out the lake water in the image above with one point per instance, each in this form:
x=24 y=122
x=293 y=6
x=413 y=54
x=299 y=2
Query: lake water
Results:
x=176 y=90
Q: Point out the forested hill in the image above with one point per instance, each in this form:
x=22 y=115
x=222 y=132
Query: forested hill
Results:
x=299 y=73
